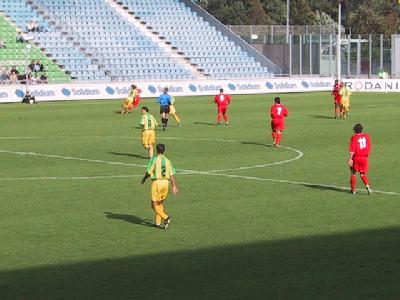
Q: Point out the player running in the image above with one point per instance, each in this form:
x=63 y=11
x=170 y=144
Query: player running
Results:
x=132 y=101
x=172 y=111
x=336 y=98
x=222 y=100
x=165 y=101
x=148 y=124
x=345 y=94
x=278 y=115
x=161 y=172
x=360 y=148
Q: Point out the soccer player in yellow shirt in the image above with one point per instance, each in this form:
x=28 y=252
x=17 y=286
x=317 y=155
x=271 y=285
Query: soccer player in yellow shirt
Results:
x=172 y=111
x=148 y=124
x=161 y=171
x=345 y=94
x=132 y=101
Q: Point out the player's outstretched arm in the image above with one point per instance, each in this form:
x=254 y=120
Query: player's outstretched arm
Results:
x=147 y=175
x=174 y=186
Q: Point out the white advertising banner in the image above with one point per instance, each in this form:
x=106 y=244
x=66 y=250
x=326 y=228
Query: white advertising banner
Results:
x=105 y=91
x=373 y=85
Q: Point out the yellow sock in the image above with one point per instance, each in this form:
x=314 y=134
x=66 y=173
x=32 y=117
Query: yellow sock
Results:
x=160 y=211
x=177 y=118
x=158 y=219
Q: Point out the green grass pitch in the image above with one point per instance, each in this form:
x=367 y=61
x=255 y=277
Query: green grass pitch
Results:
x=75 y=220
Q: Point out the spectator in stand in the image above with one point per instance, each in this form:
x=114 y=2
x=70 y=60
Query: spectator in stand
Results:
x=43 y=79
x=33 y=26
x=14 y=75
x=2 y=45
x=32 y=65
x=38 y=66
x=20 y=38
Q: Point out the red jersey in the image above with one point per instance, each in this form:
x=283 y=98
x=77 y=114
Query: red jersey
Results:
x=278 y=111
x=360 y=145
x=335 y=91
x=222 y=100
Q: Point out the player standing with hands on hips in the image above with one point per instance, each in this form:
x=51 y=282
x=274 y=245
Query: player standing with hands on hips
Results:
x=278 y=115
x=360 y=148
x=222 y=100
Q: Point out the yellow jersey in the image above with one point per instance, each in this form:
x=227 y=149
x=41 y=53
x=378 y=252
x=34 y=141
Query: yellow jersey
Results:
x=148 y=122
x=160 y=168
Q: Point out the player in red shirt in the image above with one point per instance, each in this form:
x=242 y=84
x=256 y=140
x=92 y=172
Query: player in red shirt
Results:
x=360 y=147
x=135 y=92
x=278 y=115
x=336 y=98
x=222 y=100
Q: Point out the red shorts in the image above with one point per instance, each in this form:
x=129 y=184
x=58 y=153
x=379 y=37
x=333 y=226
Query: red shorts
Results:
x=136 y=102
x=222 y=110
x=360 y=164
x=337 y=100
x=278 y=124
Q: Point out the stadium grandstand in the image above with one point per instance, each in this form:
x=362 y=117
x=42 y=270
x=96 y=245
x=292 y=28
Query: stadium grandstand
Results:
x=125 y=40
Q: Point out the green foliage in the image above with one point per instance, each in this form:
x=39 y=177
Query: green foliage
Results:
x=363 y=16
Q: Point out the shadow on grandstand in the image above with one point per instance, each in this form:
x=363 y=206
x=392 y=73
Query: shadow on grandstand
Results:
x=356 y=265
x=129 y=218
x=130 y=155
x=205 y=123
x=321 y=117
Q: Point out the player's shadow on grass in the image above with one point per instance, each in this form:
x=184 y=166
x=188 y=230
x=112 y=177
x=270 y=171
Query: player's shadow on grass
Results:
x=129 y=218
x=130 y=155
x=322 y=117
x=256 y=144
x=326 y=188
x=204 y=123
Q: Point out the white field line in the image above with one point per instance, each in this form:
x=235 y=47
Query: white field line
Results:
x=73 y=158
x=69 y=178
x=193 y=172
x=299 y=155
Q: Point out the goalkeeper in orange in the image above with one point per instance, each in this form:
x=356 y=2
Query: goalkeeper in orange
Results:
x=148 y=124
x=162 y=172
x=172 y=111
x=132 y=101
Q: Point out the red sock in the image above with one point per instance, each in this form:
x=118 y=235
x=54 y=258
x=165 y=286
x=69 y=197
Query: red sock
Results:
x=226 y=118
x=364 y=178
x=274 y=136
x=219 y=118
x=353 y=182
x=278 y=138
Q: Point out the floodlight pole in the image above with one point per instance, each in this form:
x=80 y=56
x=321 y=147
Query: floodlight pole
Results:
x=338 y=42
x=287 y=20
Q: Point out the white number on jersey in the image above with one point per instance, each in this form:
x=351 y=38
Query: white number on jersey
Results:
x=222 y=98
x=362 y=142
x=279 y=110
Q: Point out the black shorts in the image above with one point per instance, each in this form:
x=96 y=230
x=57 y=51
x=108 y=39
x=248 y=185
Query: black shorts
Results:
x=164 y=109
